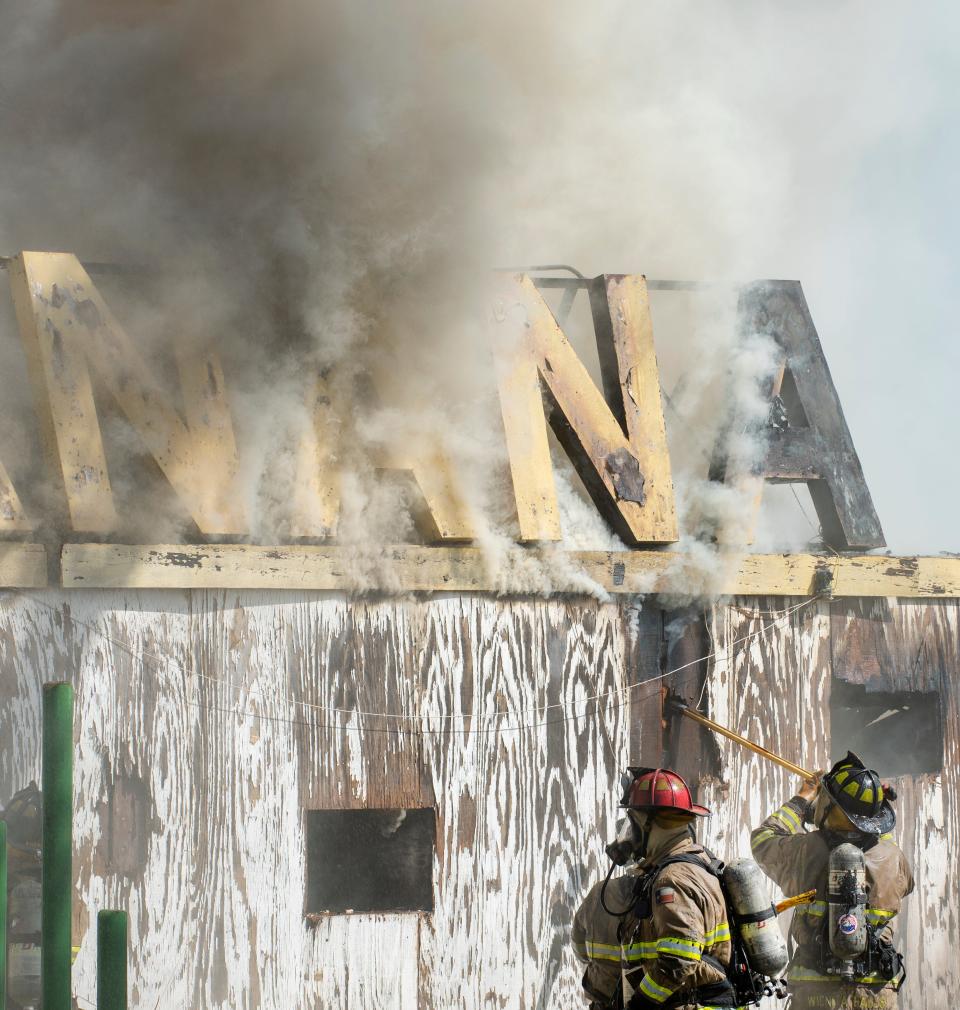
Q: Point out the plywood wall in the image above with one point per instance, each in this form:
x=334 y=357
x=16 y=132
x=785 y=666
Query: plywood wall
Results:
x=775 y=688
x=206 y=724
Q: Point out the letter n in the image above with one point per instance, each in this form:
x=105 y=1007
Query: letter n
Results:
x=618 y=444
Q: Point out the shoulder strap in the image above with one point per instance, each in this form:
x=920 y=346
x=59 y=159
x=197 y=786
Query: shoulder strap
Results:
x=712 y=865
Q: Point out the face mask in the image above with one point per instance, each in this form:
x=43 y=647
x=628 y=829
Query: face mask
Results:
x=831 y=820
x=642 y=825
x=622 y=848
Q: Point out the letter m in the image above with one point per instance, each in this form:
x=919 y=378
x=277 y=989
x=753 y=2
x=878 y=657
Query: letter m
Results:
x=67 y=329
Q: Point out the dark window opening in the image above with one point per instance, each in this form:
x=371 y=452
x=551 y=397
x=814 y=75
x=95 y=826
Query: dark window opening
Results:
x=370 y=860
x=894 y=732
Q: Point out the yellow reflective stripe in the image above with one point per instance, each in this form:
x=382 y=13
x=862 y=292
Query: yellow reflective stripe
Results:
x=788 y=824
x=886 y=837
x=809 y=975
x=640 y=952
x=761 y=837
x=791 y=814
x=721 y=934
x=815 y=908
x=603 y=951
x=690 y=949
x=655 y=991
x=819 y=908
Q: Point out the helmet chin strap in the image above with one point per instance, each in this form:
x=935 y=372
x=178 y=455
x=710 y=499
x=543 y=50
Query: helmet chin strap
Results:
x=827 y=807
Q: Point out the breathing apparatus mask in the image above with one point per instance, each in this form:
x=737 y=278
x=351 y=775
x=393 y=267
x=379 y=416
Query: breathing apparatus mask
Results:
x=633 y=837
x=830 y=818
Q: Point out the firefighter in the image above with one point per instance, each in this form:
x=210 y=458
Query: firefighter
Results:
x=657 y=936
x=848 y=804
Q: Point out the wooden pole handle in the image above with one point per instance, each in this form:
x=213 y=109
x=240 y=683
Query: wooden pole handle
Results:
x=744 y=742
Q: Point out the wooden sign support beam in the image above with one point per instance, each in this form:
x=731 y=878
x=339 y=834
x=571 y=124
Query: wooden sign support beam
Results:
x=23 y=566
x=466 y=569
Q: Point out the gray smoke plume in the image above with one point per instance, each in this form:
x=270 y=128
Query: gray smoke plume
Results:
x=323 y=188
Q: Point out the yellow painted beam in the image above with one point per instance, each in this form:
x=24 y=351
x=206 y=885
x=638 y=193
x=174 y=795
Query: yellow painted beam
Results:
x=315 y=499
x=13 y=519
x=465 y=569
x=23 y=566
x=63 y=392
x=632 y=332
x=67 y=326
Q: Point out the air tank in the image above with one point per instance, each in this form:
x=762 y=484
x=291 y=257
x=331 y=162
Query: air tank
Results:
x=756 y=917
x=847 y=905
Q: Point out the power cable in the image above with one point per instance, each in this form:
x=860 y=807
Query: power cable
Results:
x=623 y=692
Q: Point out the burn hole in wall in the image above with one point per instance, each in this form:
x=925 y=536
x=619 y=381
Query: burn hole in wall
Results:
x=895 y=732
x=370 y=860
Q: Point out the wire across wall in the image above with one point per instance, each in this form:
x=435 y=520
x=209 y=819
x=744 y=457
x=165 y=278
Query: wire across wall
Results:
x=423 y=723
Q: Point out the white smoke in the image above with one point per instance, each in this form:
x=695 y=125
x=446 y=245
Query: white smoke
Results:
x=324 y=187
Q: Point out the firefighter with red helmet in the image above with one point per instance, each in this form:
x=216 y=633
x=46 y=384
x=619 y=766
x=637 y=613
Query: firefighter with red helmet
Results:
x=850 y=808
x=658 y=936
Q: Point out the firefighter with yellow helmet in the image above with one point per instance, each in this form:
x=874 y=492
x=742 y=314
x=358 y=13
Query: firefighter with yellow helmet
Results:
x=659 y=936
x=843 y=958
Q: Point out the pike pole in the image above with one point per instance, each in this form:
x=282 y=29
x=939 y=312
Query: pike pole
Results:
x=696 y=716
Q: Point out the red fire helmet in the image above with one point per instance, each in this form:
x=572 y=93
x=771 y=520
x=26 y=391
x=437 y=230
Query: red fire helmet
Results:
x=660 y=789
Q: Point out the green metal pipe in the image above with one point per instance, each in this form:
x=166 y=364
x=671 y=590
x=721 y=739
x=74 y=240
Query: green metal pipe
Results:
x=111 y=961
x=3 y=915
x=57 y=889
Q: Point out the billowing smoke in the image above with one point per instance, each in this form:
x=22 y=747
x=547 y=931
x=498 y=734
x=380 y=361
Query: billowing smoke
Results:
x=322 y=188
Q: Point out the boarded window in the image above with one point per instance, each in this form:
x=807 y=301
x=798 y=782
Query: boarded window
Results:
x=895 y=732
x=370 y=860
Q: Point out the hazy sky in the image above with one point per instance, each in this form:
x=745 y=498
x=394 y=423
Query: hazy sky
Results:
x=842 y=119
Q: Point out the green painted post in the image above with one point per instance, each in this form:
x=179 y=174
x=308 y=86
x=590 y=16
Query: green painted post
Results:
x=3 y=915
x=112 y=961
x=57 y=890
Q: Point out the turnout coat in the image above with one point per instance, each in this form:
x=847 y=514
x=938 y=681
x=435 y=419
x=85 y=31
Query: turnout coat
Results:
x=796 y=859
x=681 y=946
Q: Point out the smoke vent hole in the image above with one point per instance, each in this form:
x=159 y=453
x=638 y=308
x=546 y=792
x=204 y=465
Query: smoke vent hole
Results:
x=897 y=733
x=370 y=860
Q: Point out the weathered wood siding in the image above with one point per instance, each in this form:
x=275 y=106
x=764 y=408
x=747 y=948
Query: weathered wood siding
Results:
x=775 y=688
x=204 y=730
x=205 y=727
